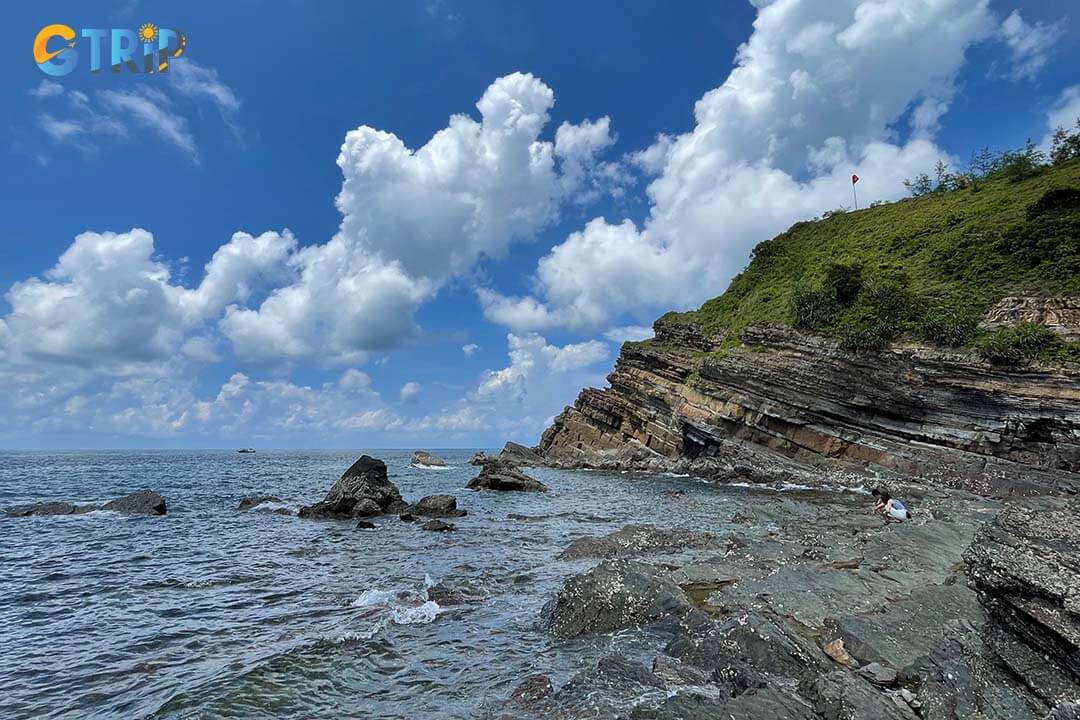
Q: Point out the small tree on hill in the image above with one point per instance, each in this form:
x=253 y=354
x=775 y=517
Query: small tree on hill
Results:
x=1066 y=145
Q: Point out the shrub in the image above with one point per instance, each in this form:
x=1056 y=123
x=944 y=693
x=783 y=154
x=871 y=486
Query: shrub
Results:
x=1016 y=345
x=873 y=338
x=1066 y=145
x=814 y=308
x=1019 y=165
x=845 y=282
x=921 y=185
x=948 y=327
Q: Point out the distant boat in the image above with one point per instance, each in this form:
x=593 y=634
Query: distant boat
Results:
x=246 y=450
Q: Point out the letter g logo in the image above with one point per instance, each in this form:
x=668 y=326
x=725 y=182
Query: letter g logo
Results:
x=67 y=54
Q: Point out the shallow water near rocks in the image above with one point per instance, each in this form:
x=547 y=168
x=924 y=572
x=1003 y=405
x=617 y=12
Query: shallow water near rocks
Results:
x=212 y=612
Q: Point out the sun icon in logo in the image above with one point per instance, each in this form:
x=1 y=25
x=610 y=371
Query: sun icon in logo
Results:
x=148 y=32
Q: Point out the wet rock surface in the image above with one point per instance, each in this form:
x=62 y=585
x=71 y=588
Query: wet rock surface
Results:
x=436 y=506
x=504 y=476
x=818 y=609
x=141 y=502
x=426 y=459
x=363 y=491
x=251 y=501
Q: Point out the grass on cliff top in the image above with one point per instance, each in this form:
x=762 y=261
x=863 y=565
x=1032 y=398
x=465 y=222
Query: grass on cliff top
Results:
x=947 y=254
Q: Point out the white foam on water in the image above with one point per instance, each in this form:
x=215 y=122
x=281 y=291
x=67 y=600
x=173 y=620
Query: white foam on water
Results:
x=419 y=615
x=271 y=506
x=421 y=466
x=372 y=598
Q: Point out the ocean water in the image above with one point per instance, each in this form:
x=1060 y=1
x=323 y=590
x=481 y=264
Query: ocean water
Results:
x=212 y=612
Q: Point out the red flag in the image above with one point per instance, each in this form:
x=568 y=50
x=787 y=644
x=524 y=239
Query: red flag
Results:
x=854 y=179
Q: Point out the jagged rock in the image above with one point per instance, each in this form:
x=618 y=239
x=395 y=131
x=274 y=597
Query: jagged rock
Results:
x=804 y=404
x=438 y=526
x=1025 y=567
x=478 y=458
x=362 y=491
x=637 y=540
x=1061 y=314
x=141 y=502
x=501 y=475
x=251 y=501
x=426 y=459
x=879 y=674
x=520 y=455
x=843 y=696
x=675 y=672
x=604 y=692
x=613 y=595
x=436 y=506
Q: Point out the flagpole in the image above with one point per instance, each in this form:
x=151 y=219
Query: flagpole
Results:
x=855 y=194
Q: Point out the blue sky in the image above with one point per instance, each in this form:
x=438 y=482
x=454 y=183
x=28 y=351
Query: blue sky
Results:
x=408 y=279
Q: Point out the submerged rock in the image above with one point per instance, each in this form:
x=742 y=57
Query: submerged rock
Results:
x=365 y=525
x=141 y=502
x=504 y=476
x=438 y=526
x=436 y=506
x=426 y=459
x=613 y=595
x=362 y=491
x=254 y=500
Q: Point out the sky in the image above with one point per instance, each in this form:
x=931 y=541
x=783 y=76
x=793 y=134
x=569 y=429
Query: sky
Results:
x=430 y=224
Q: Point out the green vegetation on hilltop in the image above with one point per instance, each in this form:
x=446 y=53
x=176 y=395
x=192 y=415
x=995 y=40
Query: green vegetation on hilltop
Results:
x=925 y=267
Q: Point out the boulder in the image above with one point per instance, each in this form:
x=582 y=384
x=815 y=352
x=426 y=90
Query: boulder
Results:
x=141 y=502
x=253 y=500
x=611 y=596
x=365 y=525
x=504 y=476
x=438 y=526
x=362 y=491
x=637 y=540
x=407 y=517
x=436 y=506
x=426 y=459
x=520 y=455
x=478 y=458
x=1025 y=568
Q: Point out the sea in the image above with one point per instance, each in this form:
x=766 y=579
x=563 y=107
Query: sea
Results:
x=212 y=612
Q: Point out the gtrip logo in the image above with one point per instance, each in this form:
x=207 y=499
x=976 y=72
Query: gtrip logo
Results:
x=150 y=47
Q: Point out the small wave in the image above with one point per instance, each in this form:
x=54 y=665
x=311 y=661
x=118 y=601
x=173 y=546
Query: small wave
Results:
x=419 y=615
x=421 y=466
x=372 y=598
x=271 y=506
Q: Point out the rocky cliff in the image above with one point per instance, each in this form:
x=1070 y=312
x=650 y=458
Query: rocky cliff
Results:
x=789 y=402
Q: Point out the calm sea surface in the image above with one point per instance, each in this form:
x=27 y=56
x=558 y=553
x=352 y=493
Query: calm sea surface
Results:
x=211 y=612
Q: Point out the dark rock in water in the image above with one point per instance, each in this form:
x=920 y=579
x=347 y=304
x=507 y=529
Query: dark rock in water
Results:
x=501 y=475
x=447 y=593
x=362 y=491
x=436 y=506
x=438 y=526
x=253 y=500
x=407 y=517
x=613 y=595
x=531 y=689
x=604 y=692
x=520 y=455
x=1025 y=567
x=45 y=508
x=637 y=540
x=142 y=502
x=478 y=458
x=365 y=525
x=675 y=672
x=426 y=459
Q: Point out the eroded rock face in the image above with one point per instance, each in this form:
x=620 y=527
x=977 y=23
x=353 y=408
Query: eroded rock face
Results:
x=502 y=475
x=141 y=502
x=1025 y=567
x=426 y=459
x=804 y=403
x=517 y=454
x=363 y=490
x=1061 y=314
x=613 y=595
